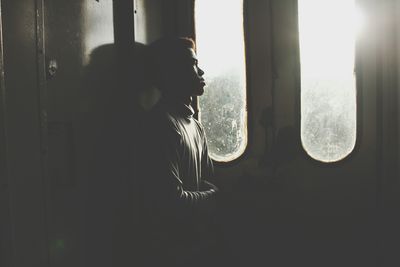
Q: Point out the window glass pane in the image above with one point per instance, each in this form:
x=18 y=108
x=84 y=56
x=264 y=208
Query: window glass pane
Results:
x=327 y=32
x=221 y=53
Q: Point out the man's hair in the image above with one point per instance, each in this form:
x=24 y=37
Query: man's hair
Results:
x=164 y=52
x=168 y=46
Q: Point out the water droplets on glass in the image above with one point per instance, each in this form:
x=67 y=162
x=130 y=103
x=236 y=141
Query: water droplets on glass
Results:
x=221 y=53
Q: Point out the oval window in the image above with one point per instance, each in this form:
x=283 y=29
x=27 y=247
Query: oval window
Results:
x=327 y=33
x=221 y=53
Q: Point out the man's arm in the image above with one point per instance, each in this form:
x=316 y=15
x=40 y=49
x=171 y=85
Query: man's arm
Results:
x=167 y=177
x=194 y=198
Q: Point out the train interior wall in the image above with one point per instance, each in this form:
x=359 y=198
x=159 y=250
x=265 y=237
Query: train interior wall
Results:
x=72 y=98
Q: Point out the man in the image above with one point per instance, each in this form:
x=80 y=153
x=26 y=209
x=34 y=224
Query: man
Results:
x=179 y=197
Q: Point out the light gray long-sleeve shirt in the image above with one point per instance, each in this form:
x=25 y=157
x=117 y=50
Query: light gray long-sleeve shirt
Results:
x=181 y=161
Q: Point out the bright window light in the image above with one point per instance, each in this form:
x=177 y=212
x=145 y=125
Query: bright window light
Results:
x=221 y=53
x=327 y=32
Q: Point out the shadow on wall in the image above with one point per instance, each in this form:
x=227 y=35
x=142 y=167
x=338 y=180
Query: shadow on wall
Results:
x=115 y=96
x=109 y=80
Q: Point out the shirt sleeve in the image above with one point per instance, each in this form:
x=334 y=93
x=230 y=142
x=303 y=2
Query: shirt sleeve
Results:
x=207 y=166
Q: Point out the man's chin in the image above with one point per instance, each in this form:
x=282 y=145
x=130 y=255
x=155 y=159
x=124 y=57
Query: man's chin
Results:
x=199 y=91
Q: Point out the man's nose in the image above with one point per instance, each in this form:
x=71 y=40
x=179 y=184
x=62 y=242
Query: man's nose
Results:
x=200 y=71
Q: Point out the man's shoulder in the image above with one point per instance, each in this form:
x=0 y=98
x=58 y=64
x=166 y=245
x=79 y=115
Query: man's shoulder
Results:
x=163 y=122
x=165 y=118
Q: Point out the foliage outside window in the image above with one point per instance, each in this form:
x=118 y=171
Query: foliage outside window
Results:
x=221 y=53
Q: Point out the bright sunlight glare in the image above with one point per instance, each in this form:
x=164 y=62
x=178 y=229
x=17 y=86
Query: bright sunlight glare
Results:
x=217 y=35
x=327 y=32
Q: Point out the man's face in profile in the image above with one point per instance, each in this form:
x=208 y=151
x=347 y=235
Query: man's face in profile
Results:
x=185 y=74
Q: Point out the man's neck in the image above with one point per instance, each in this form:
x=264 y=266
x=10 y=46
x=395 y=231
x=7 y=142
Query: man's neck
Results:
x=181 y=106
x=187 y=101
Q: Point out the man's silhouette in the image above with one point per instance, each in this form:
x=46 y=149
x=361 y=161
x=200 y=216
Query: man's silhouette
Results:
x=179 y=198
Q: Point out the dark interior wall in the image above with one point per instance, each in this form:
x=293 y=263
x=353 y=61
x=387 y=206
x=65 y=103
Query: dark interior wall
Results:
x=389 y=96
x=80 y=103
x=5 y=224
x=24 y=169
x=89 y=142
x=66 y=131
x=154 y=19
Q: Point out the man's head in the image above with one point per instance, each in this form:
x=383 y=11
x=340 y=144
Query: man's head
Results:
x=175 y=67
